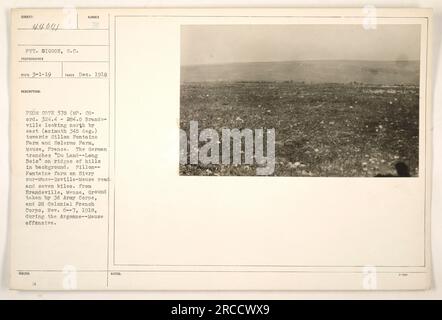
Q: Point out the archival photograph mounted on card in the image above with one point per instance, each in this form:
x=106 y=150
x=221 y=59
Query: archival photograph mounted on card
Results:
x=220 y=149
x=328 y=100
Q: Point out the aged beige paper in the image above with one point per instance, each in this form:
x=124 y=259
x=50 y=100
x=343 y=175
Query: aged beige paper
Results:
x=220 y=149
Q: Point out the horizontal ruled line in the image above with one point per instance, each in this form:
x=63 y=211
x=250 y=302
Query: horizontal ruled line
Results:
x=38 y=61
x=226 y=271
x=62 y=45
x=62 y=78
x=66 y=29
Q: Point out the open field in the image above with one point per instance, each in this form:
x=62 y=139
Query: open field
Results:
x=322 y=129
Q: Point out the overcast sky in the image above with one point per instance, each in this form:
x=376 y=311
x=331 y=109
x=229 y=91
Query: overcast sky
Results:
x=209 y=44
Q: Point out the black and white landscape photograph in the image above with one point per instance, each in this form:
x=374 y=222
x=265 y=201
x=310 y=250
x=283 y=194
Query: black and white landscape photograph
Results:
x=300 y=100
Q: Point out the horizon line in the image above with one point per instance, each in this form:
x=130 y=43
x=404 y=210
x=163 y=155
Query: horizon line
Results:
x=299 y=60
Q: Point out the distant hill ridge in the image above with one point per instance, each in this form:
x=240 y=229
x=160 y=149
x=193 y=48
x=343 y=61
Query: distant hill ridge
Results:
x=314 y=71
